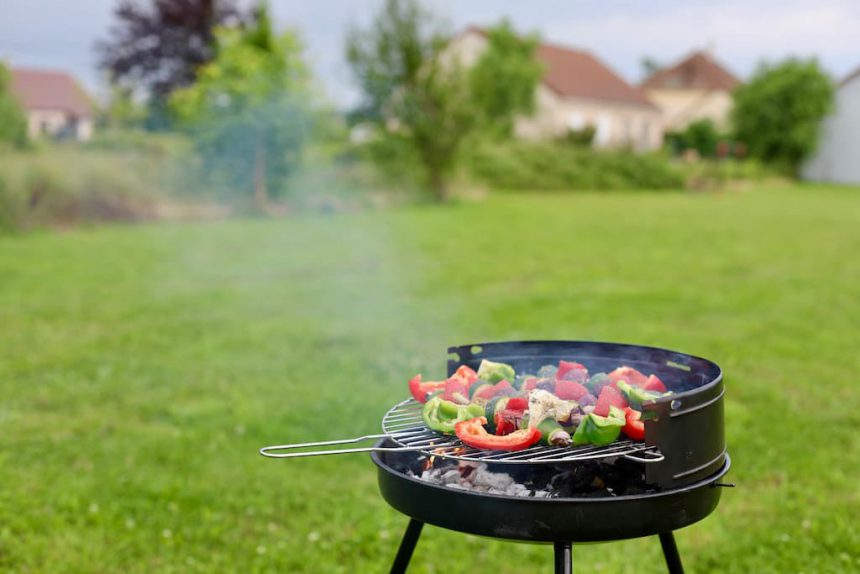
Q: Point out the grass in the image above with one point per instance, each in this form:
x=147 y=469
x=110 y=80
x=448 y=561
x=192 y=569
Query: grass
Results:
x=142 y=367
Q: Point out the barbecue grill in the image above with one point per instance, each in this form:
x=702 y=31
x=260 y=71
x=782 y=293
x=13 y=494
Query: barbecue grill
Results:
x=678 y=466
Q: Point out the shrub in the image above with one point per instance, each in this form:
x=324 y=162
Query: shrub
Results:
x=520 y=165
x=66 y=185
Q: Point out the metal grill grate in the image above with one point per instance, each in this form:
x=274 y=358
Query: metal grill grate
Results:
x=404 y=425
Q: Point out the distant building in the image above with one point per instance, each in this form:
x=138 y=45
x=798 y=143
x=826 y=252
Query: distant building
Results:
x=578 y=91
x=55 y=104
x=695 y=88
x=839 y=144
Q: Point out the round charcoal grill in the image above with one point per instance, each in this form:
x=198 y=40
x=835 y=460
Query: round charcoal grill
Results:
x=682 y=458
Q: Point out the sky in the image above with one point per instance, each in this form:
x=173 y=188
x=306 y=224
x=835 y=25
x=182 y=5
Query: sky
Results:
x=60 y=34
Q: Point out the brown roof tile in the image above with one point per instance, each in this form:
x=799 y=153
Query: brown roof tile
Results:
x=696 y=71
x=51 y=90
x=578 y=74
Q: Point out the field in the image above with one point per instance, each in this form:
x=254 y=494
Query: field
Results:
x=142 y=367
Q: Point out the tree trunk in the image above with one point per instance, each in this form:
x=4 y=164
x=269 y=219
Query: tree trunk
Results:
x=438 y=185
x=261 y=192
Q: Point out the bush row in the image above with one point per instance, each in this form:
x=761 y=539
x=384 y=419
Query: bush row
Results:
x=551 y=167
x=68 y=185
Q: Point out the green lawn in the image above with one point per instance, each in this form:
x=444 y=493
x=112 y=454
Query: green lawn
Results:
x=142 y=367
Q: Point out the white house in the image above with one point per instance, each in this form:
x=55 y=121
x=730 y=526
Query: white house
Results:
x=578 y=91
x=838 y=157
x=55 y=104
x=696 y=88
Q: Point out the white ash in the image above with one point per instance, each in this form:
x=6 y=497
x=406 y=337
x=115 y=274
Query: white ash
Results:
x=474 y=476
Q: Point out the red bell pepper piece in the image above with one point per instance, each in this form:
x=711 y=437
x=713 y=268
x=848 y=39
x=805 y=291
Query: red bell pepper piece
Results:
x=609 y=397
x=467 y=374
x=473 y=433
x=629 y=374
x=654 y=384
x=420 y=390
x=569 y=390
x=633 y=427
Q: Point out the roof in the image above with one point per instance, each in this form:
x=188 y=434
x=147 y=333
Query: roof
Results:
x=850 y=77
x=50 y=90
x=696 y=71
x=578 y=74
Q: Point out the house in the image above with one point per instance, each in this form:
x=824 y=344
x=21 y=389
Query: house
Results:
x=55 y=104
x=839 y=142
x=695 y=88
x=578 y=91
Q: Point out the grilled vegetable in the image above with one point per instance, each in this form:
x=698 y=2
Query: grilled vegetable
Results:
x=548 y=405
x=495 y=372
x=466 y=373
x=596 y=383
x=420 y=390
x=552 y=433
x=456 y=391
x=473 y=433
x=569 y=389
x=629 y=374
x=598 y=430
x=442 y=415
x=633 y=427
x=569 y=371
x=609 y=397
x=477 y=386
x=636 y=396
x=485 y=393
x=654 y=384
x=494 y=406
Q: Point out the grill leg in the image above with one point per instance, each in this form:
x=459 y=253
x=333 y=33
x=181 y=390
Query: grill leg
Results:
x=670 y=552
x=563 y=558
x=407 y=545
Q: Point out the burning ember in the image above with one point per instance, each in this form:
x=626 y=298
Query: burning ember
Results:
x=586 y=479
x=476 y=476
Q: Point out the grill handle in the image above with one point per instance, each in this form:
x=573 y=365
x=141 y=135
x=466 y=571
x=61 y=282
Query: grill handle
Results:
x=271 y=451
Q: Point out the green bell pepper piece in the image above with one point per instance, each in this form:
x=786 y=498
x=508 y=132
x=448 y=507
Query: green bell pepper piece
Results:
x=495 y=372
x=441 y=415
x=598 y=430
x=552 y=434
x=636 y=396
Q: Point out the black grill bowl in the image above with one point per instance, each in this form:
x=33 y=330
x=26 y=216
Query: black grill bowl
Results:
x=547 y=519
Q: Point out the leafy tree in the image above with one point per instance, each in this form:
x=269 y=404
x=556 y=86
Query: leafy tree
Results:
x=420 y=94
x=246 y=111
x=13 y=122
x=778 y=114
x=122 y=111
x=504 y=78
x=702 y=136
x=159 y=46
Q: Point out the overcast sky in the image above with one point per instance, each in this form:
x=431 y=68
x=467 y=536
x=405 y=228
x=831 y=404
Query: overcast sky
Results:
x=61 y=33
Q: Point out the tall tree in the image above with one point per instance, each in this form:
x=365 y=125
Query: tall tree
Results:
x=13 y=122
x=417 y=92
x=778 y=113
x=159 y=46
x=247 y=110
